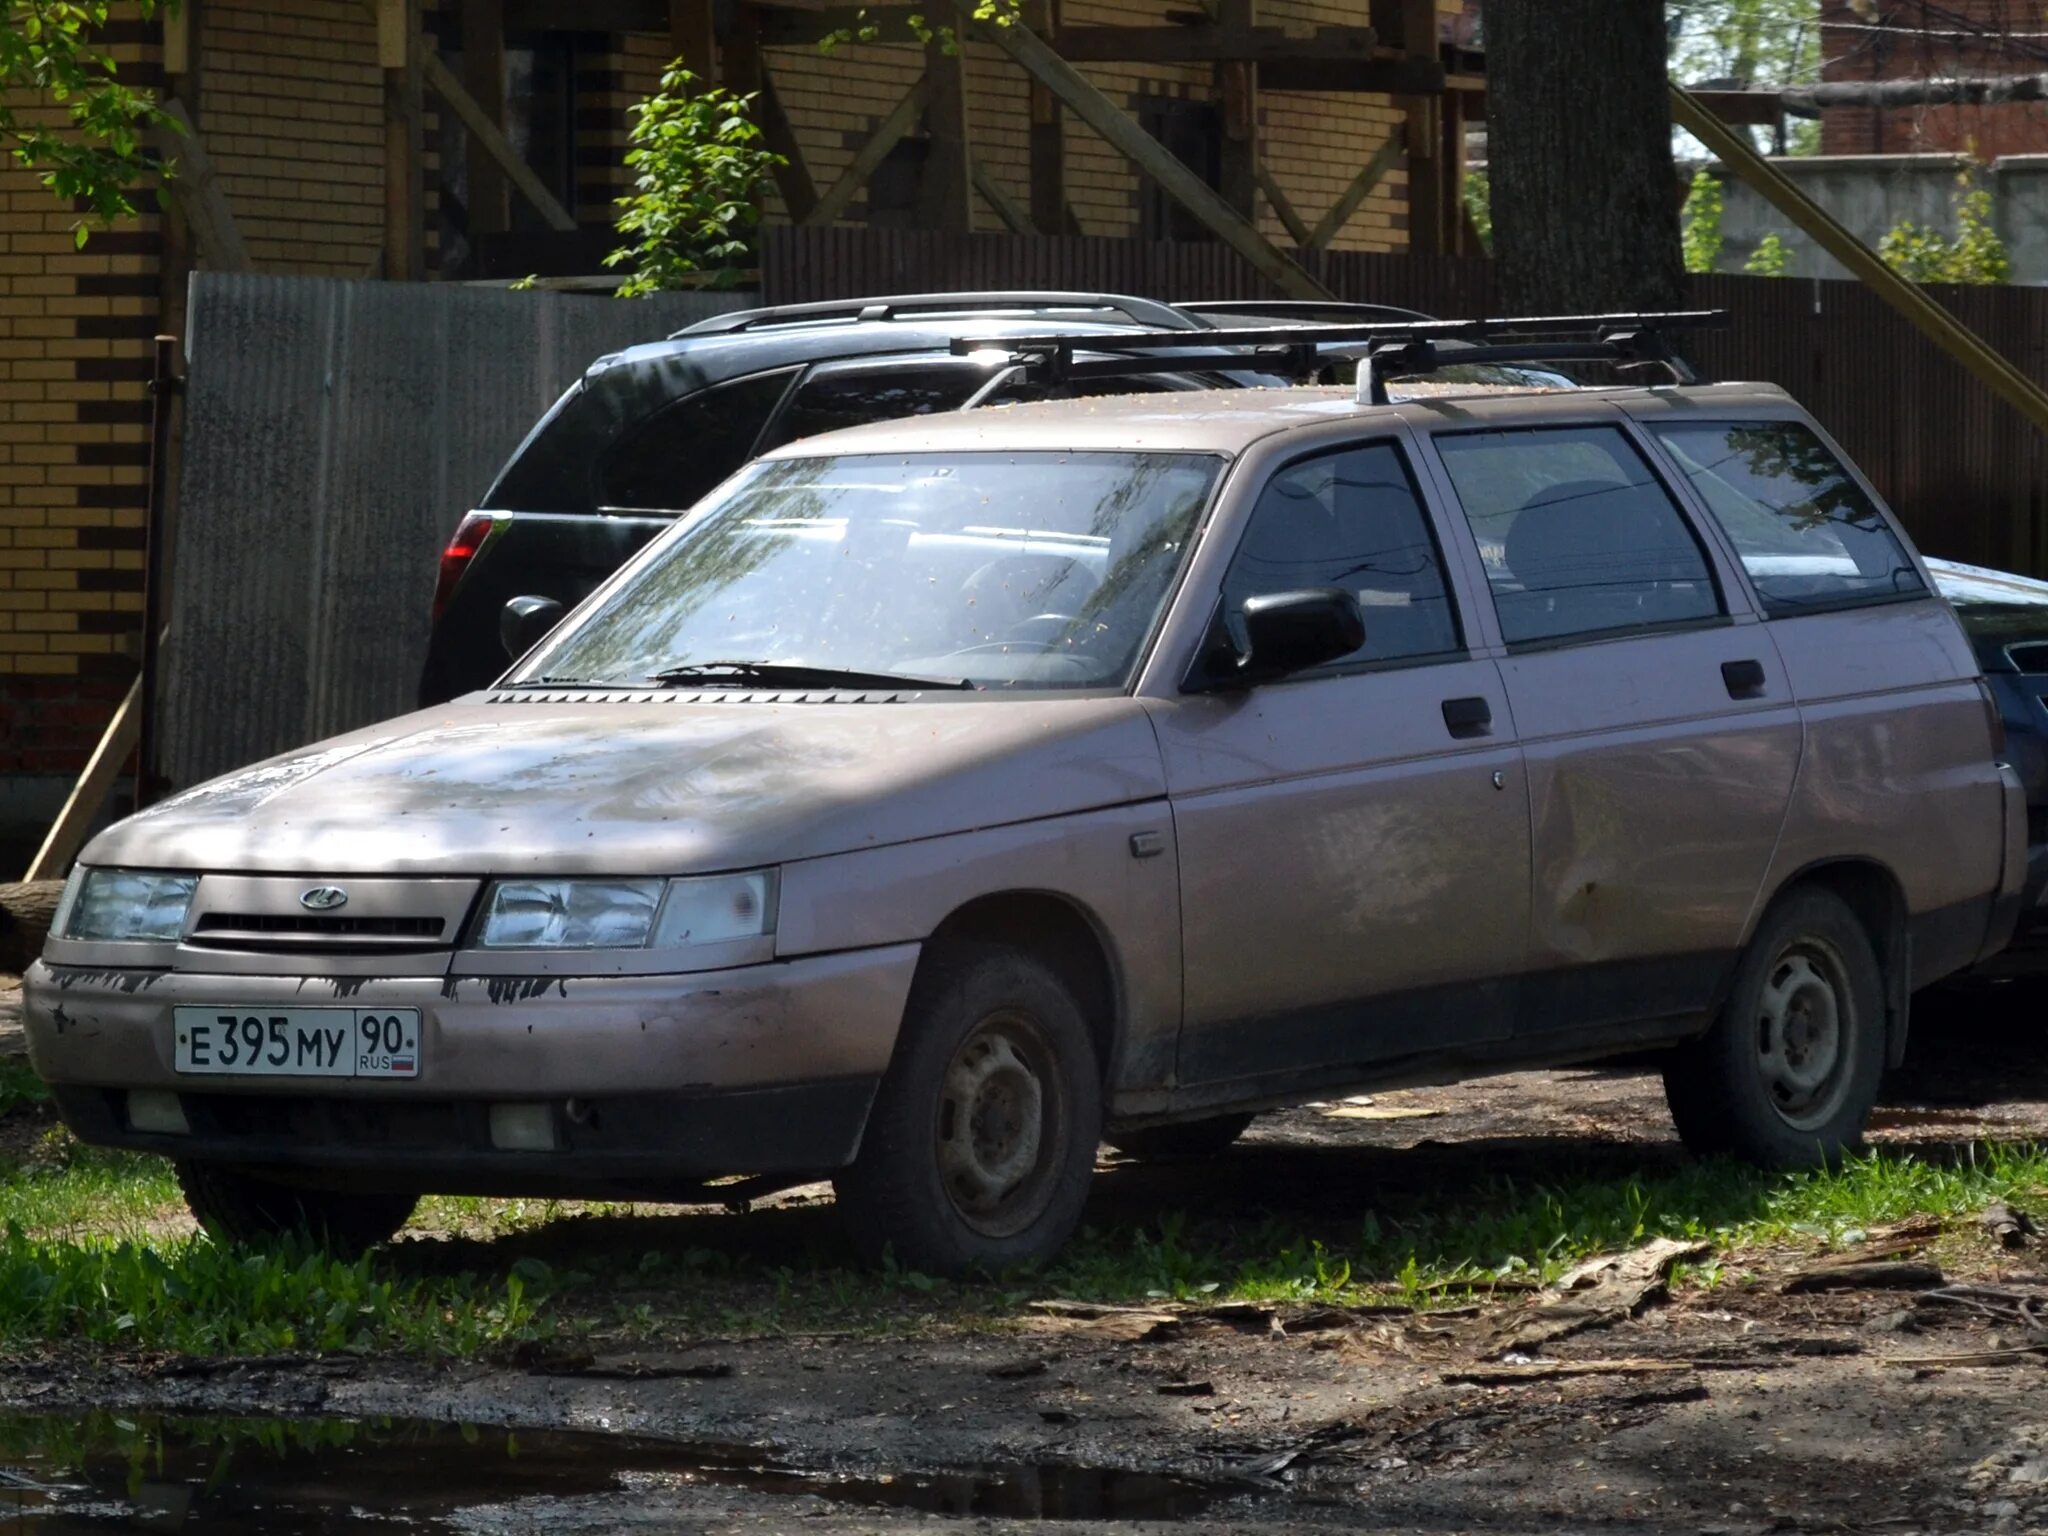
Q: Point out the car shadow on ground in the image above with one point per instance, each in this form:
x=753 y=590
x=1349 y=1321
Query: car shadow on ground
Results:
x=1450 y=1203
x=1454 y=1171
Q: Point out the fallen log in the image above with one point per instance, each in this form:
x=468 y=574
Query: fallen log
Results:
x=25 y=915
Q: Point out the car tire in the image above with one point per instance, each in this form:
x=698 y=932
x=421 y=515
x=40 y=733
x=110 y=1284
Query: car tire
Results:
x=244 y=1208
x=1788 y=1073
x=1188 y=1138
x=981 y=1144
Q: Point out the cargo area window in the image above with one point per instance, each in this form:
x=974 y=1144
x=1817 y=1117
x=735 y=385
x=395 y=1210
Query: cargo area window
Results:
x=832 y=397
x=667 y=461
x=1804 y=530
x=1577 y=536
x=1350 y=519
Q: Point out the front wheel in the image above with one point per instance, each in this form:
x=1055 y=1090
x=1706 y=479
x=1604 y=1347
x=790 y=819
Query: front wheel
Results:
x=1787 y=1075
x=981 y=1143
x=243 y=1208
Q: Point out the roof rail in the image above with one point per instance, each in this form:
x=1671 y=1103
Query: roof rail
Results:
x=1300 y=311
x=1399 y=348
x=1144 y=312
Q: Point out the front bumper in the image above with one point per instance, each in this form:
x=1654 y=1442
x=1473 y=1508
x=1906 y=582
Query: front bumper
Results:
x=653 y=1083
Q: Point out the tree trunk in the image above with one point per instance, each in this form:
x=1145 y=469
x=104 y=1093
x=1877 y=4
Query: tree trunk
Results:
x=1585 y=214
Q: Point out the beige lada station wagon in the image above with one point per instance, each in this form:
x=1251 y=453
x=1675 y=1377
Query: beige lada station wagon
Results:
x=942 y=798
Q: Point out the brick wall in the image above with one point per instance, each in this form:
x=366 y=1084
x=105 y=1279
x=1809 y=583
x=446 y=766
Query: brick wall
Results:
x=75 y=330
x=291 y=113
x=1313 y=143
x=1953 y=37
x=291 y=105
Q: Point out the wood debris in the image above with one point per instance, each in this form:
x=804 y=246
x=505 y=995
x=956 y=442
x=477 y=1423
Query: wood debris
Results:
x=1553 y=1370
x=2013 y=1228
x=1864 y=1275
x=1596 y=1294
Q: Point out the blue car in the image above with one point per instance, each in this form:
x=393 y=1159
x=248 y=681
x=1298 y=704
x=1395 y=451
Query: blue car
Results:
x=2006 y=617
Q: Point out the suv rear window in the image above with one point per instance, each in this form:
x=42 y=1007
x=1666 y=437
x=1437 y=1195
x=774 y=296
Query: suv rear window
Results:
x=1805 y=531
x=667 y=461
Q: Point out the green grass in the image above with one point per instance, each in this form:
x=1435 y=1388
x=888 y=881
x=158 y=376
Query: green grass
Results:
x=76 y=1191
x=78 y=1261
x=1439 y=1246
x=198 y=1297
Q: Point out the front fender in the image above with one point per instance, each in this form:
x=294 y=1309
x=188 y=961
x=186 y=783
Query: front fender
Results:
x=1118 y=867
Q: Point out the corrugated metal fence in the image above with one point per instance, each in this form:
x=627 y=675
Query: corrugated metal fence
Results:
x=334 y=434
x=1964 y=471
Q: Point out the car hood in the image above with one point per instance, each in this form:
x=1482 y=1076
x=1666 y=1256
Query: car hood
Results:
x=652 y=784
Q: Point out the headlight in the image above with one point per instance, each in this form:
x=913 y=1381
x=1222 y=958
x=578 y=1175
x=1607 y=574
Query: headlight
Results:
x=124 y=906
x=628 y=914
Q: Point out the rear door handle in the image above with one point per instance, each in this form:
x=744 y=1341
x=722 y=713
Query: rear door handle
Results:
x=1745 y=679
x=1468 y=717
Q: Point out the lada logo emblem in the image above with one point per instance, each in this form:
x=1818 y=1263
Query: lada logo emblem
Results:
x=324 y=898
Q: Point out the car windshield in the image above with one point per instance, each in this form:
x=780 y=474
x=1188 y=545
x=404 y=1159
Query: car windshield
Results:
x=995 y=570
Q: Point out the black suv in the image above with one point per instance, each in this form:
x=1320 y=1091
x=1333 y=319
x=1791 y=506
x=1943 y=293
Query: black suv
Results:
x=646 y=432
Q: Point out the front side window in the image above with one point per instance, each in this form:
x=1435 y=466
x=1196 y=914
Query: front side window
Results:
x=1577 y=536
x=1350 y=519
x=1003 y=570
x=667 y=461
x=1804 y=530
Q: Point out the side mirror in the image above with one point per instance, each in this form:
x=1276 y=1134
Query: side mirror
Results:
x=525 y=622
x=1288 y=632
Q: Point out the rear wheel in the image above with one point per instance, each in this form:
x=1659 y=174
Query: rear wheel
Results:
x=1189 y=1138
x=981 y=1143
x=1788 y=1073
x=243 y=1208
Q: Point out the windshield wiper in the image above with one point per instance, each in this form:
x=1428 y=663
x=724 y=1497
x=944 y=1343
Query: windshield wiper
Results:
x=741 y=674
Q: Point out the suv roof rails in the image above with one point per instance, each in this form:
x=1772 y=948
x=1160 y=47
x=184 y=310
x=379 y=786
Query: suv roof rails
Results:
x=1301 y=311
x=1142 y=312
x=1400 y=348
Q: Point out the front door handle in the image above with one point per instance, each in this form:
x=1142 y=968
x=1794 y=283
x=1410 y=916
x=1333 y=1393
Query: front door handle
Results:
x=1468 y=717
x=1745 y=679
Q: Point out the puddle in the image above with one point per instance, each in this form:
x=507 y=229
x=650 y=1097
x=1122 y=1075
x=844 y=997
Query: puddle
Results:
x=310 y=1477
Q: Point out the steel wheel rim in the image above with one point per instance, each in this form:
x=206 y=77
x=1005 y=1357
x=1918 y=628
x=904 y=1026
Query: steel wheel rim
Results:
x=1805 y=1026
x=999 y=1125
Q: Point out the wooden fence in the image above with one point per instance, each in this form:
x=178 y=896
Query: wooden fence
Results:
x=1963 y=470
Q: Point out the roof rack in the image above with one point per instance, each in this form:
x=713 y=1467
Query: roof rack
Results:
x=1389 y=348
x=1143 y=312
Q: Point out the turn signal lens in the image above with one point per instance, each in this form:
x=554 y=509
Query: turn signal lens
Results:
x=717 y=909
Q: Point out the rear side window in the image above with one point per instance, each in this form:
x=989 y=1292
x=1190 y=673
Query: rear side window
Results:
x=1806 y=533
x=850 y=397
x=665 y=462
x=1350 y=519
x=1577 y=536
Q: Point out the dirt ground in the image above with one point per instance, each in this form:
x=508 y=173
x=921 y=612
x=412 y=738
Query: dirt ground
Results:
x=1740 y=1408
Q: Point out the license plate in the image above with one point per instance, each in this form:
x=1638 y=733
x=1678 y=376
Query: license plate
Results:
x=298 y=1042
